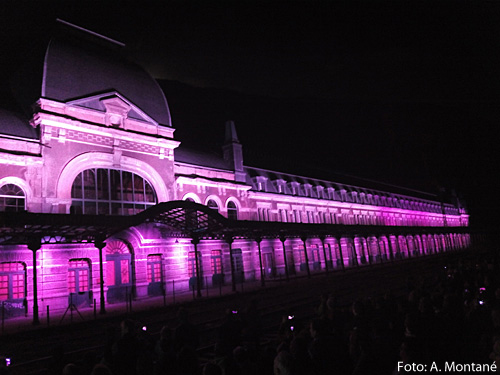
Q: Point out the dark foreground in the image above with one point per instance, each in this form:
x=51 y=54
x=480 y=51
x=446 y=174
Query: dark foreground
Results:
x=430 y=313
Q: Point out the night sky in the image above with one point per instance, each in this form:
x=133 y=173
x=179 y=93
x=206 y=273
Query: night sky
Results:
x=406 y=93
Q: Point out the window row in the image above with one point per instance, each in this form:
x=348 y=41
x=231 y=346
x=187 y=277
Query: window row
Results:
x=232 y=210
x=261 y=183
x=314 y=217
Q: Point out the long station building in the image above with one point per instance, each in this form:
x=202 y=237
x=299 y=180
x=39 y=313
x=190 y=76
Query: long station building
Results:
x=99 y=201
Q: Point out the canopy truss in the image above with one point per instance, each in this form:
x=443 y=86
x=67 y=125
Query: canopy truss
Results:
x=180 y=218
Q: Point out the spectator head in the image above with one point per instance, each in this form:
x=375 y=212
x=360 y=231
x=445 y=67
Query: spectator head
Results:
x=101 y=369
x=408 y=350
x=318 y=328
x=212 y=369
x=358 y=309
x=182 y=314
x=127 y=326
x=283 y=364
x=240 y=354
x=166 y=333
x=71 y=369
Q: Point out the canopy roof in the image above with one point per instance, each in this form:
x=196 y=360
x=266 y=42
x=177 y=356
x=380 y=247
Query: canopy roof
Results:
x=181 y=219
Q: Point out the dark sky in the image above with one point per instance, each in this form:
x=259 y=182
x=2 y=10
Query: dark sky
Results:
x=403 y=92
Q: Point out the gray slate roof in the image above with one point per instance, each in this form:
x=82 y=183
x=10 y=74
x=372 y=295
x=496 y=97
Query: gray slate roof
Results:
x=189 y=156
x=16 y=125
x=76 y=68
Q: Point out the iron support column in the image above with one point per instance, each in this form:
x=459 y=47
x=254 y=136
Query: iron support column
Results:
x=35 y=244
x=410 y=255
x=304 y=239
x=229 y=241
x=368 y=250
x=391 y=252
x=354 y=253
x=100 y=244
x=287 y=276
x=339 y=243
x=262 y=281
x=195 y=241
x=322 y=238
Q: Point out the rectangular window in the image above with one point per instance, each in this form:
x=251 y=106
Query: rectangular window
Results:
x=72 y=281
x=83 y=278
x=4 y=287
x=299 y=250
x=154 y=268
x=315 y=253
x=328 y=252
x=78 y=276
x=110 y=273
x=12 y=281
x=124 y=271
x=192 y=264
x=216 y=261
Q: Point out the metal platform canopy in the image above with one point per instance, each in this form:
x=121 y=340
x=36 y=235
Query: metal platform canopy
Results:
x=180 y=219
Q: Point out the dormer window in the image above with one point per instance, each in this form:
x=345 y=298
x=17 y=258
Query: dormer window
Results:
x=320 y=191
x=280 y=186
x=294 y=187
x=308 y=190
x=261 y=183
x=354 y=196
x=343 y=195
x=330 y=193
x=362 y=198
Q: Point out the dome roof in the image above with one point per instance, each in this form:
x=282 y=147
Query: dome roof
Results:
x=76 y=67
x=16 y=125
x=77 y=63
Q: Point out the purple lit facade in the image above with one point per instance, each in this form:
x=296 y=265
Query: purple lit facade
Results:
x=99 y=141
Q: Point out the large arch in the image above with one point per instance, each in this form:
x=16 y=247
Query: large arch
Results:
x=102 y=160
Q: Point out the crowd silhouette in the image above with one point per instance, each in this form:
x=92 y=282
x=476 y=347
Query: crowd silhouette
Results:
x=453 y=316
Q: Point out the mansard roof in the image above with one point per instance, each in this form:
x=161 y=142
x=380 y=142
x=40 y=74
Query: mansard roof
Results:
x=77 y=63
x=369 y=187
x=75 y=68
x=195 y=157
x=16 y=125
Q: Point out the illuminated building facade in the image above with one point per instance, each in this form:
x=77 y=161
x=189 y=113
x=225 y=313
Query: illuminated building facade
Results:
x=99 y=141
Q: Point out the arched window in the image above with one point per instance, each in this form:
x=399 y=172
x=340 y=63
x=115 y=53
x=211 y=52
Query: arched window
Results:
x=213 y=205
x=110 y=192
x=12 y=198
x=232 y=211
